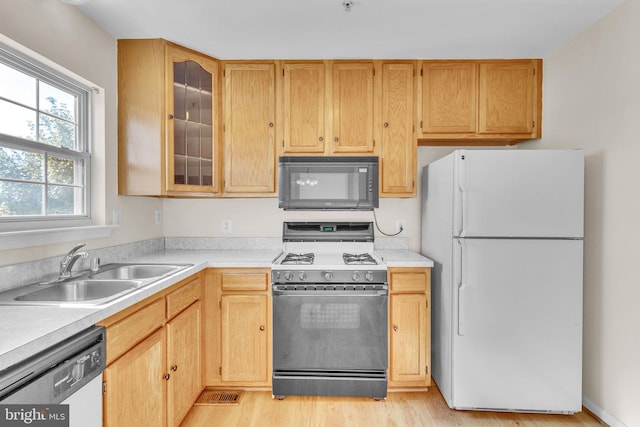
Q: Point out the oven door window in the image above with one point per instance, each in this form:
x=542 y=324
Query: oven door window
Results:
x=330 y=332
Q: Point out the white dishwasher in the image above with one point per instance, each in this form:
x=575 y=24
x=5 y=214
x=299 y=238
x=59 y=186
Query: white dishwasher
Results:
x=67 y=373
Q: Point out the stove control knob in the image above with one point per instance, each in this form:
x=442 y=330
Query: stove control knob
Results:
x=355 y=276
x=328 y=276
x=368 y=276
x=288 y=275
x=302 y=276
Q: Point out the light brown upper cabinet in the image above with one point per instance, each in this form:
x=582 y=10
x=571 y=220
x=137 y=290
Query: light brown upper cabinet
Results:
x=328 y=107
x=249 y=129
x=398 y=140
x=303 y=94
x=483 y=102
x=167 y=98
x=352 y=107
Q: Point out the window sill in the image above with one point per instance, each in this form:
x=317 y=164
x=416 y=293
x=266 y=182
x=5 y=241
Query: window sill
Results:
x=30 y=238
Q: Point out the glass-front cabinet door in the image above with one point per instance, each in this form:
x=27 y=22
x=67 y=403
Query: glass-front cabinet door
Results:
x=191 y=128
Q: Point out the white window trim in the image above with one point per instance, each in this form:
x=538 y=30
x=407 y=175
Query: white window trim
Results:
x=65 y=232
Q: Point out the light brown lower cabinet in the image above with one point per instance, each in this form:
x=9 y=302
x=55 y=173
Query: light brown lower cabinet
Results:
x=409 y=328
x=154 y=359
x=238 y=327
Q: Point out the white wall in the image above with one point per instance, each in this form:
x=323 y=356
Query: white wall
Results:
x=591 y=99
x=63 y=34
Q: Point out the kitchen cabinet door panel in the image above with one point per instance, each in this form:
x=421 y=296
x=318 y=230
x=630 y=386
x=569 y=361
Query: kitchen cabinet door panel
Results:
x=304 y=107
x=184 y=363
x=408 y=337
x=352 y=107
x=399 y=145
x=449 y=97
x=506 y=94
x=135 y=389
x=250 y=128
x=244 y=338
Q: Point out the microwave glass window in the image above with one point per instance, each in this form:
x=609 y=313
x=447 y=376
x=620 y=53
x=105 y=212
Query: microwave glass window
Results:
x=326 y=185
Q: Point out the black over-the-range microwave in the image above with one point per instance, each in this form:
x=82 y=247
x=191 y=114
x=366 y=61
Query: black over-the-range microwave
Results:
x=328 y=182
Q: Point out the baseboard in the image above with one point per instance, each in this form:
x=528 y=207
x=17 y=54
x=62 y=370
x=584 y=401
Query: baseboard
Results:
x=602 y=415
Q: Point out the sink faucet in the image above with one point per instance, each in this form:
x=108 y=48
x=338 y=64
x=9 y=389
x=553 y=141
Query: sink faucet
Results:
x=67 y=261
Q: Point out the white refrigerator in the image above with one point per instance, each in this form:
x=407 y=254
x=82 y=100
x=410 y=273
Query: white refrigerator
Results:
x=504 y=229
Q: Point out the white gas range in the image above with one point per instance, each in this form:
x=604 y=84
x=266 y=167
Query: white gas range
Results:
x=330 y=304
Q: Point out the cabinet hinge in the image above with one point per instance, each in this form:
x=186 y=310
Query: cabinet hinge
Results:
x=534 y=124
x=426 y=370
x=421 y=72
x=374 y=142
x=374 y=71
x=414 y=73
x=283 y=72
x=283 y=143
x=413 y=184
x=220 y=304
x=104 y=388
x=420 y=124
x=224 y=73
x=413 y=128
x=220 y=370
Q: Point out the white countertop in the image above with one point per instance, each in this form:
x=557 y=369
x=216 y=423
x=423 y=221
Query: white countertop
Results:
x=26 y=330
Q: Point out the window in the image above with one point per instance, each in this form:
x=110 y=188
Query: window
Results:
x=45 y=150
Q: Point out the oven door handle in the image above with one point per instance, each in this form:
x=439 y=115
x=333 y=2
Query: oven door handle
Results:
x=330 y=293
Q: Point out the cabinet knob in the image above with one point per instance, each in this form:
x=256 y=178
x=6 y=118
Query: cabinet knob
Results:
x=395 y=328
x=386 y=124
x=270 y=124
x=262 y=327
x=170 y=116
x=335 y=138
x=174 y=368
x=321 y=139
x=166 y=377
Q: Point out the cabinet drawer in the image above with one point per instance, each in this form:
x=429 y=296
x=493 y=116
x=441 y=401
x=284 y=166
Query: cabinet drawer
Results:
x=124 y=334
x=256 y=281
x=409 y=281
x=182 y=297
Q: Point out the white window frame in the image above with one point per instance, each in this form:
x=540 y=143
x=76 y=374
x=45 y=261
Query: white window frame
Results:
x=21 y=232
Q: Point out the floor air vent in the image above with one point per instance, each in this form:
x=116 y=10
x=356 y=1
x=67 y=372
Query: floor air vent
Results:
x=213 y=397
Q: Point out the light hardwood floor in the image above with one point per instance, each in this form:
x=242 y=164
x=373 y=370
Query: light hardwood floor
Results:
x=258 y=409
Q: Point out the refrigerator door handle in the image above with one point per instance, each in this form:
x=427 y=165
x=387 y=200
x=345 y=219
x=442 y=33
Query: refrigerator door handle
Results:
x=461 y=288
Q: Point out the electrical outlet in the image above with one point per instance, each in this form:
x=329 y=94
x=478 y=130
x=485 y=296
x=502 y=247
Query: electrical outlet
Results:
x=400 y=225
x=116 y=217
x=157 y=217
x=226 y=226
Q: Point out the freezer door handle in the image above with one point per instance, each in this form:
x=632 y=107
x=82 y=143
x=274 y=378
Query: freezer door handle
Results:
x=463 y=196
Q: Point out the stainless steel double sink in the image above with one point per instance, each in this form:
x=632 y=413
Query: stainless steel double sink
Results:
x=111 y=281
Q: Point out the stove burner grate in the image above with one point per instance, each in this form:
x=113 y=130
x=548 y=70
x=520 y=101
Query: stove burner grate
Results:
x=292 y=258
x=365 y=258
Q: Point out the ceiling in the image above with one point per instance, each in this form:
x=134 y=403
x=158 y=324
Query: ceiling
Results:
x=391 y=29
